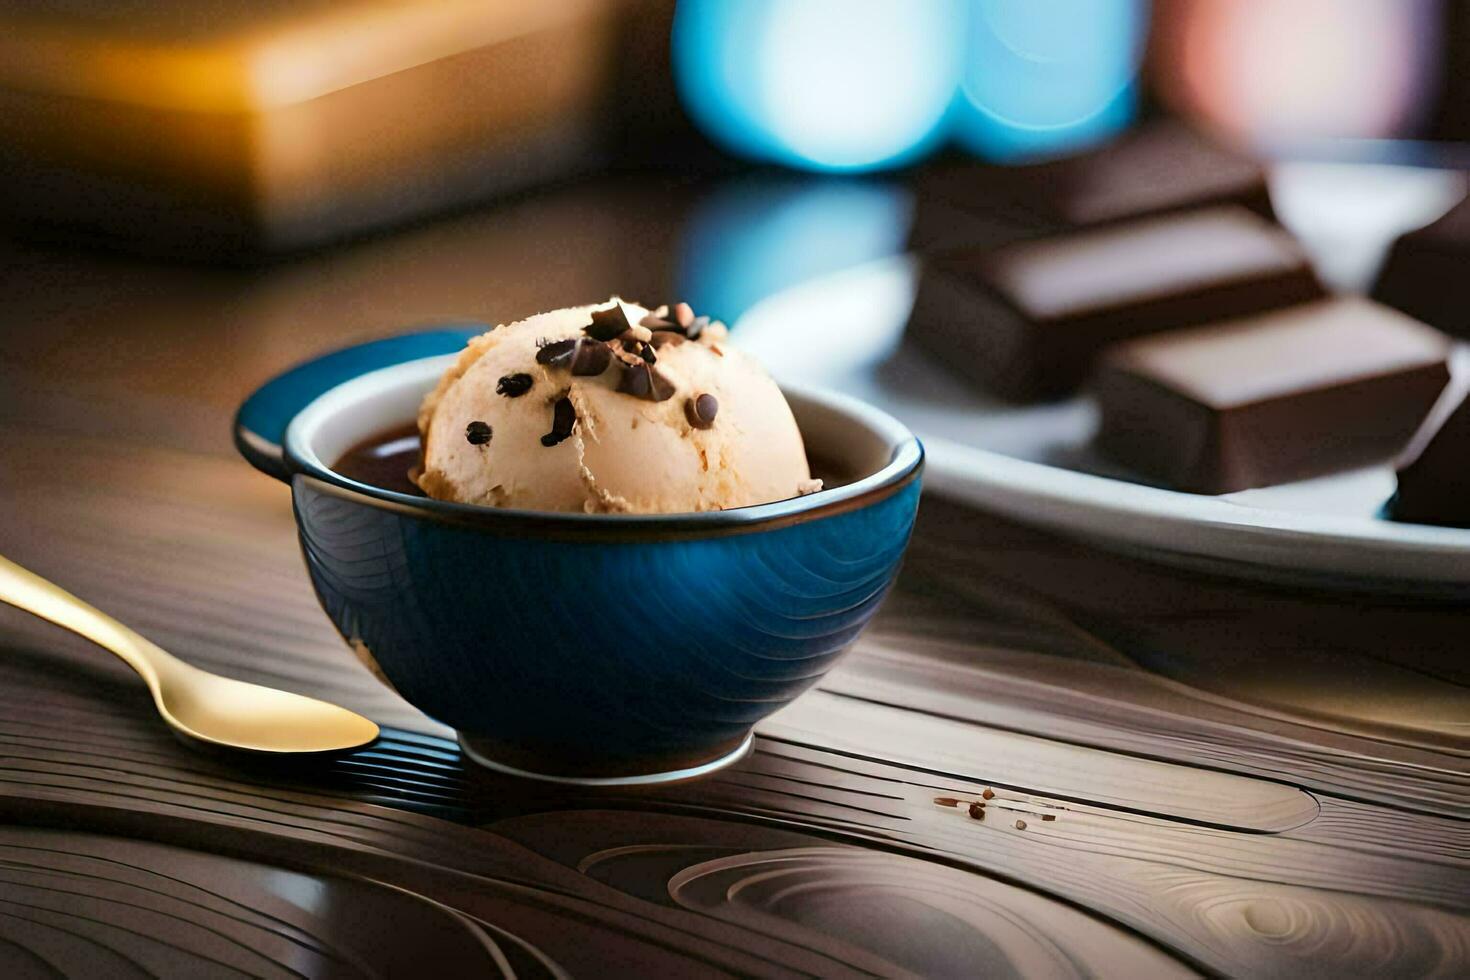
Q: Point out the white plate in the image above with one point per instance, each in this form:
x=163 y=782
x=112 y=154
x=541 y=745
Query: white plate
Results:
x=1034 y=463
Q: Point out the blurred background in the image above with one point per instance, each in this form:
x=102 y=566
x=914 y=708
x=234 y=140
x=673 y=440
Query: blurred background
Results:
x=195 y=193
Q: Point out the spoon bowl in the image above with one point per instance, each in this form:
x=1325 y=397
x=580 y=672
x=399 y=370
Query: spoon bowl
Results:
x=224 y=712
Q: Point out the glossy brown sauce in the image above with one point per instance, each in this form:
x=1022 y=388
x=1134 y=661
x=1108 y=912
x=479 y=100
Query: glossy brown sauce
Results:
x=385 y=459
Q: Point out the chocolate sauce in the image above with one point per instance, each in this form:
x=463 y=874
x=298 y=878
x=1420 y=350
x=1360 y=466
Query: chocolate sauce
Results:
x=385 y=459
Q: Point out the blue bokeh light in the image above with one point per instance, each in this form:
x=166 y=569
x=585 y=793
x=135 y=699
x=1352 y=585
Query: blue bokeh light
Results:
x=1045 y=77
x=834 y=85
x=756 y=236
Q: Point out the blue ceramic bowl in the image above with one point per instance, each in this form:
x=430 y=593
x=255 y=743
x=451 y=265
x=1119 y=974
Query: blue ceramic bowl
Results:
x=588 y=648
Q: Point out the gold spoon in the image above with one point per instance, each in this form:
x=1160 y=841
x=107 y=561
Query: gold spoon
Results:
x=201 y=706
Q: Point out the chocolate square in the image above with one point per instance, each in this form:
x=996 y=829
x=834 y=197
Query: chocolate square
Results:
x=1269 y=399
x=1425 y=273
x=1027 y=320
x=1434 y=471
x=1156 y=168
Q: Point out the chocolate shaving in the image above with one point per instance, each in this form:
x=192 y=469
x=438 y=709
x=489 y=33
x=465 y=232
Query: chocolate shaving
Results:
x=478 y=433
x=563 y=420
x=643 y=380
x=608 y=324
x=514 y=385
x=635 y=380
x=583 y=355
x=701 y=409
x=591 y=358
x=557 y=353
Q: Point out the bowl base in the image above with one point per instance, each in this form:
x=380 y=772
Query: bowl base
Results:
x=483 y=758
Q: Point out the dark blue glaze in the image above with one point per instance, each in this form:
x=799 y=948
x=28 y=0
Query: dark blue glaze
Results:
x=603 y=657
x=586 y=645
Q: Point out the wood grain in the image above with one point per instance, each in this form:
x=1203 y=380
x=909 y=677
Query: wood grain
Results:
x=1186 y=775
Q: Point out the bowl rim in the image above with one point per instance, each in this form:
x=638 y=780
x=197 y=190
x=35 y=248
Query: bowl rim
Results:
x=904 y=466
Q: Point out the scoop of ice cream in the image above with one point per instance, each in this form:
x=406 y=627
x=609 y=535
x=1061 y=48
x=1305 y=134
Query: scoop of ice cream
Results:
x=610 y=408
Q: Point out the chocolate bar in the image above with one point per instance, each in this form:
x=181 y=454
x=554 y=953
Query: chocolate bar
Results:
x=1026 y=320
x=1434 y=471
x=1424 y=274
x=1159 y=167
x=1269 y=399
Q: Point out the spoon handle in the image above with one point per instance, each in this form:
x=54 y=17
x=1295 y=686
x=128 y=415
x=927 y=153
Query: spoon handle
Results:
x=26 y=590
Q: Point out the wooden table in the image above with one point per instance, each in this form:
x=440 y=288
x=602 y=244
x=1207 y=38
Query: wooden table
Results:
x=1181 y=774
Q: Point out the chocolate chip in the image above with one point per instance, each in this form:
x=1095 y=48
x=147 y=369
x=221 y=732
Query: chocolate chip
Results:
x=514 y=385
x=643 y=380
x=558 y=352
x=607 y=324
x=1020 y=825
x=563 y=420
x=701 y=409
x=478 y=433
x=591 y=358
x=977 y=811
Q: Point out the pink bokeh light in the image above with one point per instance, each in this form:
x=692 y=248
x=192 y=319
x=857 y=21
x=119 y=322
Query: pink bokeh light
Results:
x=1300 y=68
